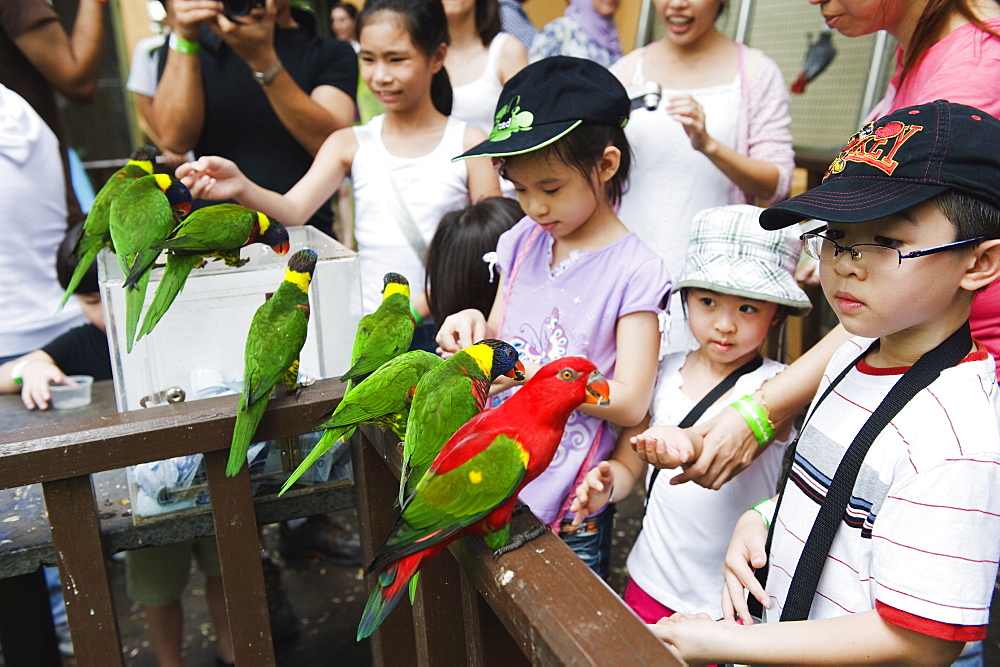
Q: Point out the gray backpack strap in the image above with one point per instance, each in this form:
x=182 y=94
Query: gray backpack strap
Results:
x=398 y=208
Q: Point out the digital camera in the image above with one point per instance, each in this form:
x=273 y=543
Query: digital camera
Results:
x=240 y=7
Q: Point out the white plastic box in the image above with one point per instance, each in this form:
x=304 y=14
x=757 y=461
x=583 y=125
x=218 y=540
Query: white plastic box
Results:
x=202 y=337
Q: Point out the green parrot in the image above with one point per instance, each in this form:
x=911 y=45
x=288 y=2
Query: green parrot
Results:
x=142 y=215
x=277 y=334
x=383 y=334
x=448 y=396
x=384 y=399
x=214 y=231
x=96 y=228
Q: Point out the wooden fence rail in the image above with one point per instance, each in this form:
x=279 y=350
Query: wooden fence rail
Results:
x=537 y=605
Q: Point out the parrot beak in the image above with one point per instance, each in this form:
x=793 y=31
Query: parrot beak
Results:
x=183 y=207
x=516 y=373
x=281 y=248
x=598 y=391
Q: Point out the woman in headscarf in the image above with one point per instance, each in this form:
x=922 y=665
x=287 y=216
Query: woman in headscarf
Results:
x=586 y=30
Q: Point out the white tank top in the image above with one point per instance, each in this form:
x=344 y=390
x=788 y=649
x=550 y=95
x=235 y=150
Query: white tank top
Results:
x=476 y=101
x=430 y=185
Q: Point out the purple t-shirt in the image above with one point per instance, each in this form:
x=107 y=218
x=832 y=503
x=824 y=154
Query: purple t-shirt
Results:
x=573 y=310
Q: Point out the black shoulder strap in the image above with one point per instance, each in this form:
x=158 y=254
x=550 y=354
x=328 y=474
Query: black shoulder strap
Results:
x=699 y=409
x=817 y=547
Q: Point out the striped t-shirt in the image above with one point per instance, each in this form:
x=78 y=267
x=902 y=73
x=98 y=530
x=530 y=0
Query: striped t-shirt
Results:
x=920 y=540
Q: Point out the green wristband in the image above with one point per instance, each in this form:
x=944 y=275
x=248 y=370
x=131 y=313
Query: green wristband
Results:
x=756 y=418
x=185 y=46
x=765 y=509
x=416 y=316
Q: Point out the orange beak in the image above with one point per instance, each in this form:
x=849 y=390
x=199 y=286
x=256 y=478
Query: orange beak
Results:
x=282 y=248
x=516 y=373
x=598 y=391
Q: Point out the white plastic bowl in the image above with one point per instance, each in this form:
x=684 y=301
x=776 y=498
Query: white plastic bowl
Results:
x=74 y=394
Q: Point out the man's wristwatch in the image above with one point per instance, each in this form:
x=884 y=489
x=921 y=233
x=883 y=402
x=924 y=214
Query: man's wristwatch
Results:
x=267 y=76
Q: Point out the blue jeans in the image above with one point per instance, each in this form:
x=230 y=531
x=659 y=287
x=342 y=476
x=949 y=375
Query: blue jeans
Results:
x=593 y=546
x=972 y=656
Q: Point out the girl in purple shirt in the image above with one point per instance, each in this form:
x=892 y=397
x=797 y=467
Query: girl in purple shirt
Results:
x=574 y=280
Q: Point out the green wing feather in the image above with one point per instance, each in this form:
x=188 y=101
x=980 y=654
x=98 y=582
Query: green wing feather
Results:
x=445 y=503
x=140 y=216
x=172 y=281
x=381 y=336
x=211 y=229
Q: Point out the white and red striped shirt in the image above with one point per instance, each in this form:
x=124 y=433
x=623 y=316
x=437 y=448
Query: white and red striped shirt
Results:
x=920 y=541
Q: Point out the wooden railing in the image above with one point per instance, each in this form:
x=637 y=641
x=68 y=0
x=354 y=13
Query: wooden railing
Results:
x=539 y=604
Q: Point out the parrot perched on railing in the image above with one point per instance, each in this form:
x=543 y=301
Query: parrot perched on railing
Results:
x=819 y=54
x=448 y=396
x=383 y=334
x=383 y=398
x=471 y=487
x=277 y=334
x=143 y=214
x=96 y=228
x=214 y=231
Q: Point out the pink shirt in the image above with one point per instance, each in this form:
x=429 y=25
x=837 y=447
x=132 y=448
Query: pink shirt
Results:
x=964 y=68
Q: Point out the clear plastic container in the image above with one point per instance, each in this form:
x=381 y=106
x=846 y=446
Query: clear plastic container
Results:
x=74 y=394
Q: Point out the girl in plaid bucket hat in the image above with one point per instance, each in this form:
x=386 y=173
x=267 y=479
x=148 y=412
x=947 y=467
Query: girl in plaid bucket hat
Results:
x=738 y=283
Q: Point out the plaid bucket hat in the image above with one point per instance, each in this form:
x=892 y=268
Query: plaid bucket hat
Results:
x=729 y=252
x=548 y=99
x=899 y=161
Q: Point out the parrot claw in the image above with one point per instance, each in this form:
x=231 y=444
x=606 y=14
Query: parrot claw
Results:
x=520 y=539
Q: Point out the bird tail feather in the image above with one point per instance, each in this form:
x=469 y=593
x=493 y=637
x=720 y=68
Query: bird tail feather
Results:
x=246 y=425
x=176 y=274
x=389 y=588
x=86 y=259
x=329 y=439
x=134 y=298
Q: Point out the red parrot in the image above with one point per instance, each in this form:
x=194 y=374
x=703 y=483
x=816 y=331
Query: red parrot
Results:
x=472 y=485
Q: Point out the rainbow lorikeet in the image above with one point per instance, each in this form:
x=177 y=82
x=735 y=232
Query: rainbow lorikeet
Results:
x=277 y=334
x=214 y=231
x=448 y=396
x=384 y=398
x=472 y=485
x=383 y=334
x=141 y=215
x=96 y=228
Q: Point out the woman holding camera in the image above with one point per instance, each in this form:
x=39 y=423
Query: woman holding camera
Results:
x=719 y=135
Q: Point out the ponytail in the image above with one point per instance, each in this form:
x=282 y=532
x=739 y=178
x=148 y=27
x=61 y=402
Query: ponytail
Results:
x=441 y=93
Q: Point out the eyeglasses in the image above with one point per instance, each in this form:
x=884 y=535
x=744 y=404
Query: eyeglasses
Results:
x=871 y=256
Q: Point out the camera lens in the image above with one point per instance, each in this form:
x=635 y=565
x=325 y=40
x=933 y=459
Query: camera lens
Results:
x=241 y=7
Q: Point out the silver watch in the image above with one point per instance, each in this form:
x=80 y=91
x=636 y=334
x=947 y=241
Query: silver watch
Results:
x=267 y=76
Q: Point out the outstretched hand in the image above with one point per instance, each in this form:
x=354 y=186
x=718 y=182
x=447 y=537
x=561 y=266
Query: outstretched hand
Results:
x=212 y=177
x=461 y=330
x=664 y=446
x=728 y=447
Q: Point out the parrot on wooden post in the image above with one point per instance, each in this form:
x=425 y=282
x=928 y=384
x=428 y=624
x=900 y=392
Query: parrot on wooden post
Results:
x=447 y=397
x=471 y=487
x=96 y=228
x=212 y=232
x=277 y=334
x=383 y=334
x=383 y=398
x=144 y=213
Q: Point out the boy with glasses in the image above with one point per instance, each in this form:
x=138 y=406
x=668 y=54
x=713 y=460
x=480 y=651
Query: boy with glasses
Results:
x=885 y=539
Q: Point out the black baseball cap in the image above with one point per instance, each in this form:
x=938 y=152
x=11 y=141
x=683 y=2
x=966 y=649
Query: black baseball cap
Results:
x=546 y=100
x=899 y=161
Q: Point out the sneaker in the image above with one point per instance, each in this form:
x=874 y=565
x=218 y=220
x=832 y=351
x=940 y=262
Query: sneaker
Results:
x=284 y=622
x=321 y=538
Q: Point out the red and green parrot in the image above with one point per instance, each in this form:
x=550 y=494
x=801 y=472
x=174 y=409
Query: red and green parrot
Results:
x=472 y=485
x=383 y=398
x=96 y=228
x=212 y=232
x=447 y=397
x=143 y=214
x=277 y=334
x=383 y=334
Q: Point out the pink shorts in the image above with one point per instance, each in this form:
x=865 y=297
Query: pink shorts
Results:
x=645 y=607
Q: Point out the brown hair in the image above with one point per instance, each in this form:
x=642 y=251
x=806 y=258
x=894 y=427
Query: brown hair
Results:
x=929 y=26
